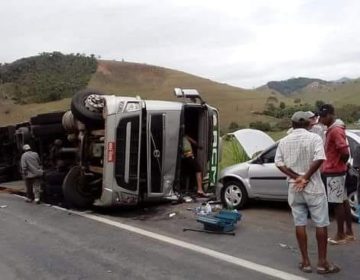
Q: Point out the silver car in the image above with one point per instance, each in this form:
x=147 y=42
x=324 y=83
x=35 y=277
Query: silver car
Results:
x=259 y=178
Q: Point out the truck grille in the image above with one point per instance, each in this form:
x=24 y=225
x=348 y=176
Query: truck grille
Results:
x=129 y=181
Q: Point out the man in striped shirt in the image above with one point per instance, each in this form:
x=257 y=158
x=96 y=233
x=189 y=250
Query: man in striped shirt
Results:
x=300 y=155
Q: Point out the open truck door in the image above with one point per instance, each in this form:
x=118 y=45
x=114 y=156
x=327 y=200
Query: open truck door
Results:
x=162 y=126
x=201 y=122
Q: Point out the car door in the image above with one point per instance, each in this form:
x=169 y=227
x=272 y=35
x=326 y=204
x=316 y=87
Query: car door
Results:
x=265 y=178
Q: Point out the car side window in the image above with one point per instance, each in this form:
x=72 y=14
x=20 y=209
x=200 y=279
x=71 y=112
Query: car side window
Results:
x=269 y=156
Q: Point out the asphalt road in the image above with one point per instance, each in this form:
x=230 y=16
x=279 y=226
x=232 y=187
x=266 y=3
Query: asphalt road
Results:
x=42 y=242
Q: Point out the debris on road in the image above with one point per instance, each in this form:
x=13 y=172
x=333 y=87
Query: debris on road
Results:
x=204 y=209
x=292 y=249
x=172 y=215
x=222 y=222
x=187 y=199
x=209 y=231
x=3 y=206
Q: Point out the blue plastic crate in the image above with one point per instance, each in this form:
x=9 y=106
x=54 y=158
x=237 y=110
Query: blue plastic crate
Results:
x=212 y=223
x=229 y=216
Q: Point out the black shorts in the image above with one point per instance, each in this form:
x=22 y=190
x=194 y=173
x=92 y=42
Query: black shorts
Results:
x=190 y=165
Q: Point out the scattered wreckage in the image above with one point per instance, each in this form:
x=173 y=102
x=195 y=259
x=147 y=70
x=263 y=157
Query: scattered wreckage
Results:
x=116 y=150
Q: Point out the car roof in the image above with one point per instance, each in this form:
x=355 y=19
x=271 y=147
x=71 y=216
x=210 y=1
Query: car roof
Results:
x=354 y=134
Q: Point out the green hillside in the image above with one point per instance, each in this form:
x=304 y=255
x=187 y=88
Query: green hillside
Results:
x=150 y=82
x=337 y=93
x=292 y=86
x=26 y=84
x=45 y=77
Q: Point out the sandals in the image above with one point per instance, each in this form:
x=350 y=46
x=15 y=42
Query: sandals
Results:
x=199 y=194
x=330 y=268
x=333 y=241
x=306 y=269
x=350 y=237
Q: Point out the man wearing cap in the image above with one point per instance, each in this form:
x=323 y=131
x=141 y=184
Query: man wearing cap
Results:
x=299 y=156
x=32 y=172
x=334 y=172
x=315 y=126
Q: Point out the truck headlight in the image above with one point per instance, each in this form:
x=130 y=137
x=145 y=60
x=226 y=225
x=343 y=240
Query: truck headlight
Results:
x=132 y=107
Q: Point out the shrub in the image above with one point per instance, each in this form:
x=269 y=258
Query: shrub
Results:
x=260 y=126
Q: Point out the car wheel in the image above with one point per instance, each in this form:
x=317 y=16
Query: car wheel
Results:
x=234 y=195
x=87 y=107
x=354 y=202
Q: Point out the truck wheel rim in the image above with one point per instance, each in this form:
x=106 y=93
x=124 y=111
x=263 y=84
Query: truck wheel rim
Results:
x=94 y=103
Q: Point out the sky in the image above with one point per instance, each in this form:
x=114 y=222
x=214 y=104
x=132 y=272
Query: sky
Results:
x=244 y=43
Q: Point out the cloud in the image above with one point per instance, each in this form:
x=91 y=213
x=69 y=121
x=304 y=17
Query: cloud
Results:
x=244 y=43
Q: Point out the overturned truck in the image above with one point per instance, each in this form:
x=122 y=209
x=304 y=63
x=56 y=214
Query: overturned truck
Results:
x=116 y=150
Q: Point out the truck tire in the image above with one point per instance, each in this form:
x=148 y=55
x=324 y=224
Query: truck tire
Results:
x=54 y=117
x=74 y=189
x=53 y=177
x=47 y=129
x=82 y=110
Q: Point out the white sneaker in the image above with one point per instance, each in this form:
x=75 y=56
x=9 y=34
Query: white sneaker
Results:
x=37 y=200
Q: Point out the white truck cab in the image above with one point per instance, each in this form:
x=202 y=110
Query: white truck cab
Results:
x=130 y=149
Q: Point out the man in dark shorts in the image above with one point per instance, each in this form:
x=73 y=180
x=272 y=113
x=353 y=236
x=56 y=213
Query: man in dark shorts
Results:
x=190 y=165
x=334 y=171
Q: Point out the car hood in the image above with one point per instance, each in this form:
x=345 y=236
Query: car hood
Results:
x=252 y=140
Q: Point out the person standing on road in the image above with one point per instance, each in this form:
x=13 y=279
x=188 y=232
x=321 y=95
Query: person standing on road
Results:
x=32 y=173
x=190 y=164
x=299 y=156
x=334 y=172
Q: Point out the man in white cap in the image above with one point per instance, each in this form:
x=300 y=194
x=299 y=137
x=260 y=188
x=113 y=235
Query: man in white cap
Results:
x=315 y=126
x=299 y=155
x=32 y=173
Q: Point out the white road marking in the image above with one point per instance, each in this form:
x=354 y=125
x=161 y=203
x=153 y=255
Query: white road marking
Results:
x=198 y=249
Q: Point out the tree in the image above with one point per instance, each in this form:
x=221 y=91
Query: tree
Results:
x=282 y=105
x=233 y=126
x=260 y=125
